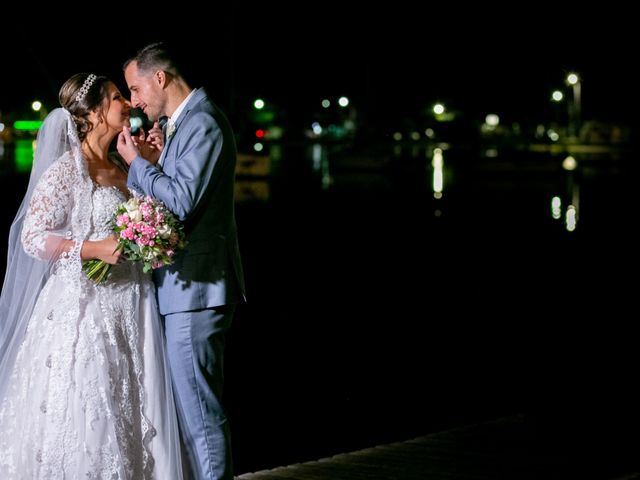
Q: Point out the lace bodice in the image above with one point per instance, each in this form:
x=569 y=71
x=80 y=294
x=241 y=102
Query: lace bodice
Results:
x=105 y=202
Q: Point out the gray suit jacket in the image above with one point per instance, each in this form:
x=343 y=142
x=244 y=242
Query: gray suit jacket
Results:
x=196 y=182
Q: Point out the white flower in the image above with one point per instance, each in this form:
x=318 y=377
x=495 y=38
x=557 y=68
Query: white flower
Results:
x=164 y=231
x=171 y=129
x=132 y=210
x=149 y=255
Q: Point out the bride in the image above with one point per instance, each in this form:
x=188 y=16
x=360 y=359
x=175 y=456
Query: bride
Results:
x=84 y=386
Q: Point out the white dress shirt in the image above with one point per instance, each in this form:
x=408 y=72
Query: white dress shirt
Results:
x=170 y=130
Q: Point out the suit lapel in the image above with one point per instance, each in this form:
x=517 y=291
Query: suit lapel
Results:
x=197 y=96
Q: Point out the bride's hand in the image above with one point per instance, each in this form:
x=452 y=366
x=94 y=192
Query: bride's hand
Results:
x=128 y=145
x=110 y=251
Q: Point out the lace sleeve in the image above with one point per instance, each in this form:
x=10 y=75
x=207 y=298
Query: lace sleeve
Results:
x=45 y=233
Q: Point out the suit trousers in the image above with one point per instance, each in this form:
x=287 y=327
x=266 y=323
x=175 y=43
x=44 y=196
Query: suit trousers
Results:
x=195 y=349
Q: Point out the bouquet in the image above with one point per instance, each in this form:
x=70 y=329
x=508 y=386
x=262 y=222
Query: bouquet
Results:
x=148 y=232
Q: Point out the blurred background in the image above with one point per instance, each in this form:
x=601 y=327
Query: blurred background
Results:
x=435 y=211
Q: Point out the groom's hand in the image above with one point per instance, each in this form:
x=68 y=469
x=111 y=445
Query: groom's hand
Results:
x=127 y=146
x=151 y=146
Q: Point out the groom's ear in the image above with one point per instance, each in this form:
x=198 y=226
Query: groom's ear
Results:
x=161 y=78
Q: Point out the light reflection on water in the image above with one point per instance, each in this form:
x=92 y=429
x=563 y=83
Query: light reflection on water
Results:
x=376 y=296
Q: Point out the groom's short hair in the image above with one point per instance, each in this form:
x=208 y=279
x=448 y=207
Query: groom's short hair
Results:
x=160 y=56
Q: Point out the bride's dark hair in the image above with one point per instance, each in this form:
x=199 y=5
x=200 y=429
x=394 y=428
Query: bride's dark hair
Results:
x=81 y=106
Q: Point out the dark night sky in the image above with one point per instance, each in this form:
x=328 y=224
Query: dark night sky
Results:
x=391 y=62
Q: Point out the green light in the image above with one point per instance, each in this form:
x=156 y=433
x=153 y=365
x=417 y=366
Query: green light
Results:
x=262 y=116
x=24 y=155
x=27 y=124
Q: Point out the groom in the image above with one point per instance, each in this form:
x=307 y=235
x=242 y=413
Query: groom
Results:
x=198 y=293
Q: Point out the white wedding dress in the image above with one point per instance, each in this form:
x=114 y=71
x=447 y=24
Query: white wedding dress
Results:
x=89 y=396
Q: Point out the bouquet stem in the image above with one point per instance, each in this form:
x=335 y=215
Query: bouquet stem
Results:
x=96 y=270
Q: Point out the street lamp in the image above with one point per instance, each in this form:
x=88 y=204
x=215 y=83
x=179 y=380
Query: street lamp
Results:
x=557 y=96
x=574 y=113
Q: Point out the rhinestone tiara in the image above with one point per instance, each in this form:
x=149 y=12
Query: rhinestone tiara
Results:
x=85 y=87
